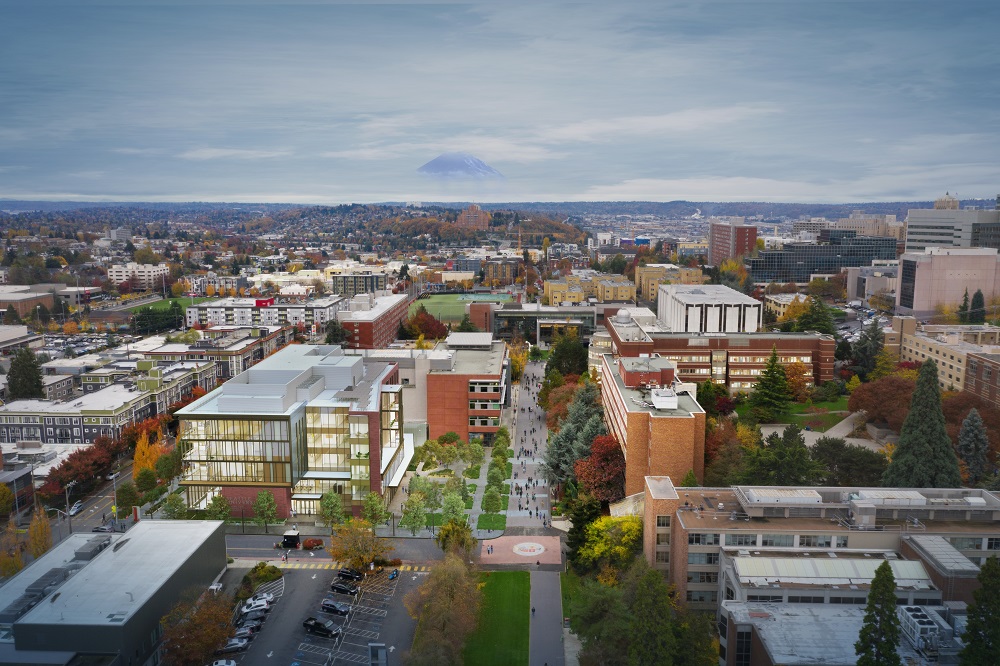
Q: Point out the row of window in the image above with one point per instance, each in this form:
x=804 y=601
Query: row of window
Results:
x=481 y=421
x=975 y=543
x=780 y=540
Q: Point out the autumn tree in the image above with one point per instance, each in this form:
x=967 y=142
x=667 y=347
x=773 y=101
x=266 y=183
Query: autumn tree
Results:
x=582 y=512
x=799 y=376
x=355 y=543
x=455 y=536
x=39 y=534
x=879 y=638
x=602 y=473
x=982 y=629
x=11 y=559
x=195 y=628
x=611 y=543
x=795 y=309
x=924 y=456
x=6 y=499
x=886 y=400
x=147 y=452
x=447 y=605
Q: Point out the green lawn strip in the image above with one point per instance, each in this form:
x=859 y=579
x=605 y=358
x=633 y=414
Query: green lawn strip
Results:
x=817 y=422
x=571 y=585
x=510 y=470
x=839 y=405
x=505 y=500
x=165 y=304
x=796 y=409
x=472 y=472
x=469 y=502
x=506 y=489
x=501 y=639
x=491 y=521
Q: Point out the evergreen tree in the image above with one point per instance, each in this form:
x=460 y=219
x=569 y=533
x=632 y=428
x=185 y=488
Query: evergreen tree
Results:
x=963 y=309
x=973 y=447
x=25 y=377
x=817 y=317
x=867 y=349
x=466 y=325
x=770 y=396
x=582 y=513
x=982 y=629
x=924 y=456
x=782 y=460
x=977 y=312
x=11 y=317
x=569 y=355
x=879 y=635
x=335 y=333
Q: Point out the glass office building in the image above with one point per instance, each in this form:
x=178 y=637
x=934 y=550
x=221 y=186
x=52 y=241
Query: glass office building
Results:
x=838 y=249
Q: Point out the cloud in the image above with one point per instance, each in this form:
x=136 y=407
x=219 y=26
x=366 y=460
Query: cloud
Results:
x=231 y=153
x=677 y=122
x=136 y=151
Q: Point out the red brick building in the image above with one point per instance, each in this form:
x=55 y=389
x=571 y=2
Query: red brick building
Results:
x=474 y=218
x=373 y=322
x=730 y=238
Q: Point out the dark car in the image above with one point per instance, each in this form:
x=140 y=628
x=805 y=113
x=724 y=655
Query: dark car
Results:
x=319 y=627
x=336 y=607
x=257 y=616
x=350 y=574
x=252 y=625
x=234 y=645
x=244 y=632
x=343 y=587
x=103 y=528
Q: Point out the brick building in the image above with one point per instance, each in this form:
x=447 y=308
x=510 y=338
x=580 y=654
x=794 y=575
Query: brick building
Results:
x=729 y=238
x=661 y=428
x=474 y=218
x=373 y=322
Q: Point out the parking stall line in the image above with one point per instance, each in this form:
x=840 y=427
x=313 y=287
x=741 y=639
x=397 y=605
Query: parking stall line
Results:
x=363 y=633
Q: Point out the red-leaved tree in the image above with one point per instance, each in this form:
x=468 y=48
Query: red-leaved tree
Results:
x=602 y=473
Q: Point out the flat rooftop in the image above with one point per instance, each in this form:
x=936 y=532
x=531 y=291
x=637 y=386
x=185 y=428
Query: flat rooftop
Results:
x=640 y=401
x=707 y=294
x=479 y=361
x=107 y=399
x=382 y=305
x=118 y=581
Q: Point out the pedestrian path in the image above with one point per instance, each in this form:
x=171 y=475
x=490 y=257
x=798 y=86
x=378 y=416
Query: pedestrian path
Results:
x=546 y=620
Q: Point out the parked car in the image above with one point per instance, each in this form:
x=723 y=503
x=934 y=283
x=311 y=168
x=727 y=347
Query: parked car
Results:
x=319 y=627
x=76 y=508
x=257 y=615
x=234 y=645
x=253 y=625
x=343 y=587
x=336 y=607
x=103 y=528
x=350 y=574
x=262 y=596
x=224 y=662
x=259 y=605
x=244 y=632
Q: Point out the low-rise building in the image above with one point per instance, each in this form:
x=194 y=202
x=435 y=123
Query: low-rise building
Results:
x=659 y=425
x=865 y=281
x=232 y=348
x=372 y=321
x=708 y=308
x=141 y=277
x=583 y=285
x=265 y=312
x=99 y=598
x=949 y=346
x=305 y=421
x=24 y=299
x=778 y=304
x=648 y=278
x=16 y=336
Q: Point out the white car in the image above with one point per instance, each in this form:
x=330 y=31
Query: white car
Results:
x=114 y=475
x=262 y=596
x=224 y=662
x=76 y=508
x=259 y=605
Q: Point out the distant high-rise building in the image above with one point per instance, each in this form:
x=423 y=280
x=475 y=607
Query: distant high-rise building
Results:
x=474 y=218
x=838 y=249
x=942 y=276
x=728 y=238
x=947 y=225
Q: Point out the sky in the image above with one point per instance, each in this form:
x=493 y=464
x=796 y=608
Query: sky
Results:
x=322 y=102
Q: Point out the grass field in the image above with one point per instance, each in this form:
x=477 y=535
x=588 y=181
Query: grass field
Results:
x=165 y=304
x=501 y=638
x=449 y=307
x=836 y=411
x=491 y=521
x=571 y=585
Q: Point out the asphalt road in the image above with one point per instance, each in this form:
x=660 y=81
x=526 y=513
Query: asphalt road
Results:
x=96 y=508
x=261 y=546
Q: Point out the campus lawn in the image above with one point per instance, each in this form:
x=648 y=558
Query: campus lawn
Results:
x=571 y=585
x=449 y=307
x=506 y=596
x=820 y=421
x=491 y=521
x=165 y=304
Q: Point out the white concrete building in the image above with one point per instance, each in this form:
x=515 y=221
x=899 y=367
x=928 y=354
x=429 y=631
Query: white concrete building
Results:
x=707 y=308
x=145 y=277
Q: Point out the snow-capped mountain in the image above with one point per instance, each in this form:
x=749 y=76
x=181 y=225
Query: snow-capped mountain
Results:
x=458 y=165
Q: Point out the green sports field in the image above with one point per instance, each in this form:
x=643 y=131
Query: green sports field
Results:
x=451 y=307
x=165 y=304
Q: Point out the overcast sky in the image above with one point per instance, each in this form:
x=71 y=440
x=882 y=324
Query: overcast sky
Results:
x=800 y=100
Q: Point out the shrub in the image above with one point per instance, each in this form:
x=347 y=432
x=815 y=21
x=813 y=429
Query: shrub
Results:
x=472 y=472
x=312 y=544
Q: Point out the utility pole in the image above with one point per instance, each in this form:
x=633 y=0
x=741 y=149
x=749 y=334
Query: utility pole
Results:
x=69 y=486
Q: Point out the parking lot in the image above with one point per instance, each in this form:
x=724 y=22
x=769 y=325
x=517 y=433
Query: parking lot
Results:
x=298 y=596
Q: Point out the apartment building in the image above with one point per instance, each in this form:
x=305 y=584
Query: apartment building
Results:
x=707 y=308
x=502 y=273
x=372 y=322
x=659 y=424
x=105 y=412
x=350 y=285
x=729 y=238
x=648 y=278
x=583 y=285
x=305 y=421
x=142 y=277
x=265 y=312
x=232 y=348
x=734 y=359
x=949 y=346
x=939 y=276
x=473 y=218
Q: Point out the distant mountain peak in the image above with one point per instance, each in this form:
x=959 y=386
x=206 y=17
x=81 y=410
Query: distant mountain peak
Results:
x=458 y=165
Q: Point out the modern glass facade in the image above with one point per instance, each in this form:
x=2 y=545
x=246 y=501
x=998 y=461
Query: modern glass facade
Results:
x=797 y=262
x=239 y=451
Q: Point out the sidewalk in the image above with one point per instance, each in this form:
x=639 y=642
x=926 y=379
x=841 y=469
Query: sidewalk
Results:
x=843 y=430
x=546 y=620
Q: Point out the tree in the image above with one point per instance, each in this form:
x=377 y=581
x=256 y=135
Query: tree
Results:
x=847 y=464
x=879 y=637
x=466 y=325
x=11 y=559
x=867 y=348
x=373 y=509
x=611 y=542
x=452 y=507
x=982 y=628
x=602 y=473
x=781 y=460
x=853 y=383
x=195 y=628
x=147 y=452
x=265 y=509
x=127 y=497
x=145 y=480
x=494 y=477
x=168 y=465
x=973 y=447
x=885 y=365
x=39 y=533
x=331 y=508
x=582 y=512
x=817 y=317
x=476 y=453
x=690 y=480
x=977 y=312
x=355 y=543
x=491 y=500
x=963 y=309
x=647 y=597
x=924 y=456
x=882 y=300
x=798 y=376
x=885 y=400
x=11 y=317
x=6 y=499
x=770 y=395
x=447 y=605
x=174 y=507
x=24 y=381
x=448 y=455
x=219 y=508
x=335 y=333
x=414 y=516
x=455 y=536
x=568 y=356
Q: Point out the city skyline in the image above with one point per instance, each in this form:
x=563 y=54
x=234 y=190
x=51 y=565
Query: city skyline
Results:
x=331 y=103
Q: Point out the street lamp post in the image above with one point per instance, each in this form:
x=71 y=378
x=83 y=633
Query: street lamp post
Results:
x=68 y=516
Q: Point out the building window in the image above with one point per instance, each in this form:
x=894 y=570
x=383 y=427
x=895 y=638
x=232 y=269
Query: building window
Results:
x=967 y=543
x=703 y=596
x=663 y=556
x=741 y=539
x=778 y=540
x=663 y=521
x=766 y=598
x=704 y=577
x=701 y=539
x=841 y=542
x=993 y=543
x=703 y=558
x=804 y=600
x=815 y=541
